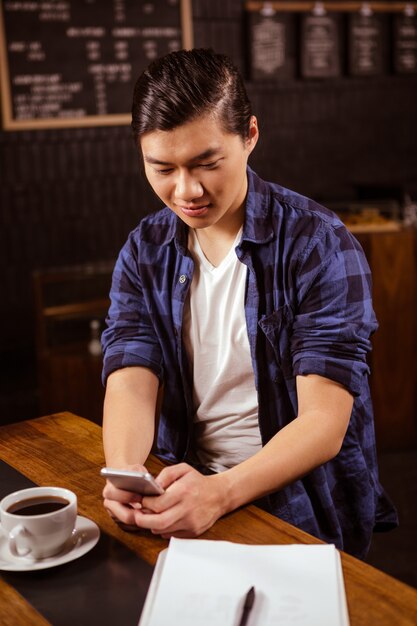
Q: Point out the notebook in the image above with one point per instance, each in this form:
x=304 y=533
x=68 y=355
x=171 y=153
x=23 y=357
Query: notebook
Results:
x=204 y=583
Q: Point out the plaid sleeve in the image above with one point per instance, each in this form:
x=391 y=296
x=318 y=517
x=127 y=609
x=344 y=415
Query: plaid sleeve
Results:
x=332 y=326
x=129 y=339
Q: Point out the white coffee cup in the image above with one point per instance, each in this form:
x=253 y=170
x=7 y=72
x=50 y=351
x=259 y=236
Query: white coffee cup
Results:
x=37 y=522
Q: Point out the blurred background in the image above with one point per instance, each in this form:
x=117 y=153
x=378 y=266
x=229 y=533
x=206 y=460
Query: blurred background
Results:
x=334 y=87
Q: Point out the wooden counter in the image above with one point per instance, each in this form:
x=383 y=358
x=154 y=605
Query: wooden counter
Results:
x=67 y=450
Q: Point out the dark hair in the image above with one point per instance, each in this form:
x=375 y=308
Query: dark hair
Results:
x=182 y=85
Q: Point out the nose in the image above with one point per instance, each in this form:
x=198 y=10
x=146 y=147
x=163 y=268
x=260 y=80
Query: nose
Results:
x=187 y=186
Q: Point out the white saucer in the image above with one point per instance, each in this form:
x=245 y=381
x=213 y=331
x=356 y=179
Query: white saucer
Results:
x=84 y=538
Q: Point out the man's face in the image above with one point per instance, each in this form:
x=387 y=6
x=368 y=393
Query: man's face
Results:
x=199 y=171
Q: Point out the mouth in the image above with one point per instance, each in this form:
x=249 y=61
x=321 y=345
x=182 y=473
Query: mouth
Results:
x=194 y=210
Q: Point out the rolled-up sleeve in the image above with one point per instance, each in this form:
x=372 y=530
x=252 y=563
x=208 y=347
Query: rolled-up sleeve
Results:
x=129 y=339
x=335 y=318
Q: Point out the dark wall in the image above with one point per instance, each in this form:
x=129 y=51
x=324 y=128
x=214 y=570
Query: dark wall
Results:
x=326 y=139
x=67 y=197
x=71 y=196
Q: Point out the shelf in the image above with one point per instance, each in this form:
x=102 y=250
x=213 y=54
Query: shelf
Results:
x=294 y=6
x=77 y=309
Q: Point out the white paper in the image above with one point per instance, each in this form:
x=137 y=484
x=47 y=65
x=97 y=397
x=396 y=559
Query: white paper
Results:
x=203 y=583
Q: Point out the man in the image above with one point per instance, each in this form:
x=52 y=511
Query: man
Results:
x=248 y=307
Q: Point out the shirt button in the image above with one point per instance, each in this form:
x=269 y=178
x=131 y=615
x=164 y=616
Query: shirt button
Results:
x=183 y=278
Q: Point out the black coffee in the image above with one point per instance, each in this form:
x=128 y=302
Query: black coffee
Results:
x=38 y=505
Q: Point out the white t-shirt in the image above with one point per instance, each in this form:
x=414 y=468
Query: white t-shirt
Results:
x=216 y=340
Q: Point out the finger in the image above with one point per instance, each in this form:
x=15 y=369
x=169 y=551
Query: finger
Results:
x=170 y=474
x=172 y=496
x=120 y=512
x=178 y=528
x=122 y=525
x=110 y=492
x=159 y=522
x=153 y=504
x=177 y=489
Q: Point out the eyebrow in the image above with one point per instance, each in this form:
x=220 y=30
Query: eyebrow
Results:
x=210 y=152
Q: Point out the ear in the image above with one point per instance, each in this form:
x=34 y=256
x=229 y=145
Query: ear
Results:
x=253 y=135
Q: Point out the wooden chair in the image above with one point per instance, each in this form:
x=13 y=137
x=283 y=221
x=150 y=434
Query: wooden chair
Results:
x=67 y=301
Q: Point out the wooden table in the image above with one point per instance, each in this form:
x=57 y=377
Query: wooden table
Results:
x=66 y=450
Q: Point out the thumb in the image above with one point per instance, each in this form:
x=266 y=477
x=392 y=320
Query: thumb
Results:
x=170 y=474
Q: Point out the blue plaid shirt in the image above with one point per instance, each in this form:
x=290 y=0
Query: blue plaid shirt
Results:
x=308 y=311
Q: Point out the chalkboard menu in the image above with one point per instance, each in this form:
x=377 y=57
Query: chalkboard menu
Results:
x=320 y=45
x=74 y=62
x=366 y=44
x=272 y=46
x=405 y=43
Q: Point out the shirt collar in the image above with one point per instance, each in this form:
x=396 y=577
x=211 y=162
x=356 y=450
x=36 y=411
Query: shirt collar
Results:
x=257 y=227
x=177 y=231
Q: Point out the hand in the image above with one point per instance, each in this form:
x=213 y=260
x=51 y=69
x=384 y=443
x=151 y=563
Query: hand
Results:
x=190 y=505
x=121 y=504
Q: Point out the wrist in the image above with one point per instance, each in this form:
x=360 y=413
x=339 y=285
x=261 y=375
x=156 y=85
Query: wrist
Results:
x=226 y=496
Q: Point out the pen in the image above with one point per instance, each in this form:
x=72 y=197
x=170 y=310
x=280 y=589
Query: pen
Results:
x=247 y=606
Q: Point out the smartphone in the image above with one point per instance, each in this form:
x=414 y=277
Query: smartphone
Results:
x=139 y=482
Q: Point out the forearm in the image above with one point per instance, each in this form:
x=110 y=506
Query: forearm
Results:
x=312 y=439
x=129 y=416
x=292 y=453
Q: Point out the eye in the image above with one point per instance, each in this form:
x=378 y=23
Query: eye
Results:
x=163 y=172
x=209 y=166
